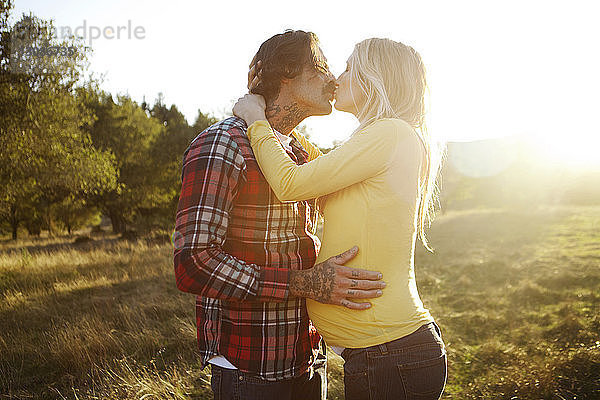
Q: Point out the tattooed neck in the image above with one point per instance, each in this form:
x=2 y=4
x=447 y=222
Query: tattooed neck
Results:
x=284 y=117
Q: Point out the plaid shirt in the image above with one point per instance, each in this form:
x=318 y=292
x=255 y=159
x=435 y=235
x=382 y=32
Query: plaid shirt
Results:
x=235 y=244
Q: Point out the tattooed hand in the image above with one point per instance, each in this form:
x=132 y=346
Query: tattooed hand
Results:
x=331 y=282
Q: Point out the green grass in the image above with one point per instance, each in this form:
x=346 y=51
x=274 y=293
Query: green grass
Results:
x=516 y=294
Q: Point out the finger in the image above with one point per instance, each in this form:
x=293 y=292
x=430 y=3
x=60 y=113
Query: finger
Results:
x=254 y=83
x=365 y=284
x=346 y=256
x=253 y=61
x=355 y=306
x=262 y=101
x=251 y=75
x=363 y=294
x=361 y=274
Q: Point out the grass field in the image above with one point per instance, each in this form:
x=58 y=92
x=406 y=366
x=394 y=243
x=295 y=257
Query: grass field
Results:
x=517 y=296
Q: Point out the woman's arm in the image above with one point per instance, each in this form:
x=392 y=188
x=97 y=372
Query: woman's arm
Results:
x=366 y=154
x=312 y=150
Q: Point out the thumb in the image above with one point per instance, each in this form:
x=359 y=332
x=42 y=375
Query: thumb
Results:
x=346 y=256
x=262 y=101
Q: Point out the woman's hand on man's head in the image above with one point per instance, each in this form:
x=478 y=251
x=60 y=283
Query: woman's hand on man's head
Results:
x=254 y=75
x=250 y=108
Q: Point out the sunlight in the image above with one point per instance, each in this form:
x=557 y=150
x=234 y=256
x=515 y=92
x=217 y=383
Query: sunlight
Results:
x=578 y=150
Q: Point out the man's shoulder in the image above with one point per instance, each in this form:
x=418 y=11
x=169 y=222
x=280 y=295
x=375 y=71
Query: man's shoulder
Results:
x=229 y=125
x=232 y=129
x=226 y=138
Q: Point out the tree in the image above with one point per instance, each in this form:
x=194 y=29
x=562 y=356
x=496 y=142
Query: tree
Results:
x=202 y=122
x=45 y=157
x=148 y=146
x=128 y=133
x=73 y=213
x=167 y=154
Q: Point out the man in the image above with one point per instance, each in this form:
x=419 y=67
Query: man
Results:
x=248 y=257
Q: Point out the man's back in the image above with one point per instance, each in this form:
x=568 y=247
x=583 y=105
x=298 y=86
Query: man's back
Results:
x=235 y=245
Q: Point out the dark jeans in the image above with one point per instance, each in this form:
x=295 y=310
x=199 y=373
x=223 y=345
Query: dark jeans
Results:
x=233 y=384
x=412 y=367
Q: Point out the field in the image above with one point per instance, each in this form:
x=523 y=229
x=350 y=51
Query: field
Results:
x=517 y=296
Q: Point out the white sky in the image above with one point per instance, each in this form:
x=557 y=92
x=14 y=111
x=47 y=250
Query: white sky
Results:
x=494 y=68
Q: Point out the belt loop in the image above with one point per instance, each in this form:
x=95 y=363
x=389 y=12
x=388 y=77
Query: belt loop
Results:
x=383 y=348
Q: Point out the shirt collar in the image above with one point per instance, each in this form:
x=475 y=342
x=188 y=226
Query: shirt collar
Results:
x=284 y=139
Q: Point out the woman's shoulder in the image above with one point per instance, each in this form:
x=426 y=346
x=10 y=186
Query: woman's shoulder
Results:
x=397 y=123
x=391 y=128
x=399 y=136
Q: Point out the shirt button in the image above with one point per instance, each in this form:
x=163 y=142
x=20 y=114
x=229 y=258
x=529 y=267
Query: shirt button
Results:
x=241 y=378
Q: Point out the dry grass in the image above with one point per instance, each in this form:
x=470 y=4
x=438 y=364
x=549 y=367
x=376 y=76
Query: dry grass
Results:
x=106 y=322
x=517 y=297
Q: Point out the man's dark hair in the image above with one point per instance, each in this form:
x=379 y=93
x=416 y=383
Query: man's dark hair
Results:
x=284 y=56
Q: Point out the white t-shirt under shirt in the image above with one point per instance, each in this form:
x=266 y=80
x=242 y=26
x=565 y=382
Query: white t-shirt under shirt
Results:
x=285 y=140
x=220 y=360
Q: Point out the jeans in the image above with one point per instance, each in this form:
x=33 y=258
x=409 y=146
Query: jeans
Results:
x=412 y=367
x=233 y=384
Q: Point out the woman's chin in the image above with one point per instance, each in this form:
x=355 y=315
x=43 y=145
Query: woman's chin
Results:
x=340 y=107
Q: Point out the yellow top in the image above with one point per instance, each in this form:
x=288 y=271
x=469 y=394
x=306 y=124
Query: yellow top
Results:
x=371 y=183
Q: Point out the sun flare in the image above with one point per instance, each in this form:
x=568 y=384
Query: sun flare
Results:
x=577 y=150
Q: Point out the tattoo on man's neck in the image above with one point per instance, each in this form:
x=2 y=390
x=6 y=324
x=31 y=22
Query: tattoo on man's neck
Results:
x=292 y=117
x=284 y=118
x=272 y=110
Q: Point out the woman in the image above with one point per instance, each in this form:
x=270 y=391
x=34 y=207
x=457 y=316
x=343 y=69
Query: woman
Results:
x=376 y=190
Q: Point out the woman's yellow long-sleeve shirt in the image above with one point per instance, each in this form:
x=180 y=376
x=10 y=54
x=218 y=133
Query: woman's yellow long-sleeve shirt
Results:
x=371 y=183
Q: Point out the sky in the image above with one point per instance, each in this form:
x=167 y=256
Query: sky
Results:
x=495 y=68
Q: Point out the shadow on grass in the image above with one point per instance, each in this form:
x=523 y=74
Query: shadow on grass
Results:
x=57 y=338
x=60 y=245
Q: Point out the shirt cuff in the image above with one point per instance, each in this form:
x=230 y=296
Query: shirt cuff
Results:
x=275 y=284
x=259 y=129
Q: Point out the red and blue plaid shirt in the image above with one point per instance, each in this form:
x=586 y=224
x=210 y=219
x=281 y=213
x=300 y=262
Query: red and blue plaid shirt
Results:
x=235 y=244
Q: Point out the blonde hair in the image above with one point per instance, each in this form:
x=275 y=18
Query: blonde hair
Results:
x=392 y=79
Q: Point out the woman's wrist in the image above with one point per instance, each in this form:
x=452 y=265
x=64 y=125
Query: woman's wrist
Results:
x=256 y=129
x=255 y=118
